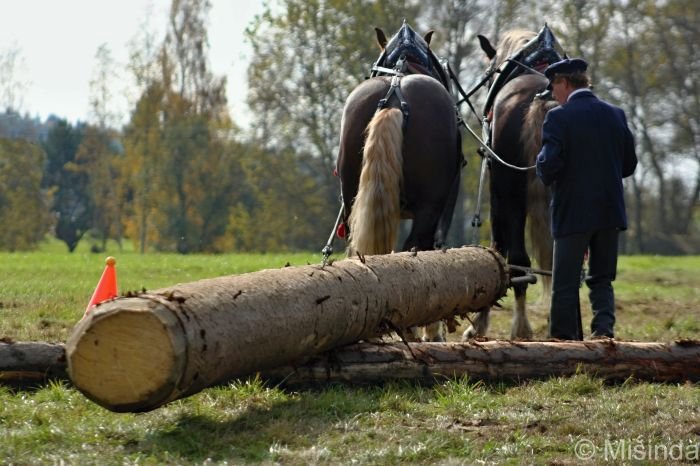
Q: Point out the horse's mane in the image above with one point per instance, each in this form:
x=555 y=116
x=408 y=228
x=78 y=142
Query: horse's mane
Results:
x=512 y=42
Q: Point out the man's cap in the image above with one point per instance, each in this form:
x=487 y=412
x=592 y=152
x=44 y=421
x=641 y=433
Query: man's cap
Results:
x=566 y=66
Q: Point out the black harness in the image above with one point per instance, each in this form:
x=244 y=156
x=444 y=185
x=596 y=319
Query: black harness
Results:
x=405 y=53
x=395 y=89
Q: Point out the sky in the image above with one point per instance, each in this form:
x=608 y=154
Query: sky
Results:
x=58 y=41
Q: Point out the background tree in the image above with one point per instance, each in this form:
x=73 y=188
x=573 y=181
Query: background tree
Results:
x=195 y=117
x=279 y=208
x=99 y=153
x=13 y=125
x=24 y=214
x=142 y=138
x=98 y=158
x=12 y=87
x=675 y=26
x=178 y=138
x=144 y=154
x=67 y=182
x=649 y=54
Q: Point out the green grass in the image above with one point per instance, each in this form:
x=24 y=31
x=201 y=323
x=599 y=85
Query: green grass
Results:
x=657 y=299
x=43 y=293
x=458 y=421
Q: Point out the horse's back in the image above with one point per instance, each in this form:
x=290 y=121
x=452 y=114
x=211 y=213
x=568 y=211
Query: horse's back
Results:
x=432 y=145
x=427 y=101
x=511 y=105
x=432 y=112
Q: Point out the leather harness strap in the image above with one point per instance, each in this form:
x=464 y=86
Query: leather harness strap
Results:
x=395 y=88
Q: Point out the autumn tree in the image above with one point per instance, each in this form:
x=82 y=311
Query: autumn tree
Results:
x=177 y=142
x=195 y=117
x=142 y=138
x=98 y=158
x=144 y=154
x=276 y=213
x=24 y=214
x=99 y=153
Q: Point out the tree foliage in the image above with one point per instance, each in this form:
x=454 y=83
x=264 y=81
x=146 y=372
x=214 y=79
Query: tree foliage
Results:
x=279 y=208
x=24 y=214
x=67 y=182
x=98 y=159
x=177 y=144
x=11 y=87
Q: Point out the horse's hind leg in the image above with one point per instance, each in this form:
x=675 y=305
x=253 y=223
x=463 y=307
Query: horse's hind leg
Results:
x=422 y=237
x=508 y=213
x=479 y=327
x=520 y=328
x=434 y=332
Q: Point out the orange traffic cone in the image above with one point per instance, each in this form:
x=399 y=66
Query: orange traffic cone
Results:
x=106 y=287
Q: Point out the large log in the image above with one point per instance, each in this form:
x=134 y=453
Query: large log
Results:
x=137 y=353
x=366 y=363
x=614 y=360
x=30 y=362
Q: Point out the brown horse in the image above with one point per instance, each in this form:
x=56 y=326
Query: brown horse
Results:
x=400 y=151
x=516 y=118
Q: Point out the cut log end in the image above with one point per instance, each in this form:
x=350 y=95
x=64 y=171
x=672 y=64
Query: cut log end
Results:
x=144 y=352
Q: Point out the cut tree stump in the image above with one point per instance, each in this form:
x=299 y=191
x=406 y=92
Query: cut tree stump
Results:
x=365 y=363
x=30 y=362
x=137 y=353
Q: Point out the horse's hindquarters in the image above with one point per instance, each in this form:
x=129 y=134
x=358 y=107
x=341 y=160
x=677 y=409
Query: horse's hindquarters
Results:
x=430 y=150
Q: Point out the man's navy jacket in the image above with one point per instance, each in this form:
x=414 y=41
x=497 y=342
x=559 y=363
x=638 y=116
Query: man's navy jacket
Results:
x=587 y=148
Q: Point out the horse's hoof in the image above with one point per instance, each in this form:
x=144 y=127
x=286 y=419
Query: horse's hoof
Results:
x=527 y=336
x=522 y=334
x=434 y=339
x=469 y=334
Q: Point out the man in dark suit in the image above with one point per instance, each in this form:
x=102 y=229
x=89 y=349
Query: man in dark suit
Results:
x=587 y=149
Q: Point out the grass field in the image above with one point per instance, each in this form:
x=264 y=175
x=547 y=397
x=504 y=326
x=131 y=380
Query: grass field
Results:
x=43 y=294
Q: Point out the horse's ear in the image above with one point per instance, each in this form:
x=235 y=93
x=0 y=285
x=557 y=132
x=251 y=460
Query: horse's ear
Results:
x=381 y=38
x=486 y=47
x=428 y=35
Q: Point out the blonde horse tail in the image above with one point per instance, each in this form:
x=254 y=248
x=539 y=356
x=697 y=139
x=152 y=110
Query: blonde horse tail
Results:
x=537 y=194
x=376 y=212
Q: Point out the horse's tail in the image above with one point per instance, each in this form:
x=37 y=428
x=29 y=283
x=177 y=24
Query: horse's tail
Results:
x=538 y=195
x=376 y=212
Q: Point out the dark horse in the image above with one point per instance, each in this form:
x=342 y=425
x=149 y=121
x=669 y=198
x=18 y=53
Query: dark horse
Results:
x=400 y=150
x=516 y=117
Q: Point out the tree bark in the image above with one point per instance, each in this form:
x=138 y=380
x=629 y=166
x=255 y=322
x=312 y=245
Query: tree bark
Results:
x=28 y=362
x=366 y=363
x=137 y=353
